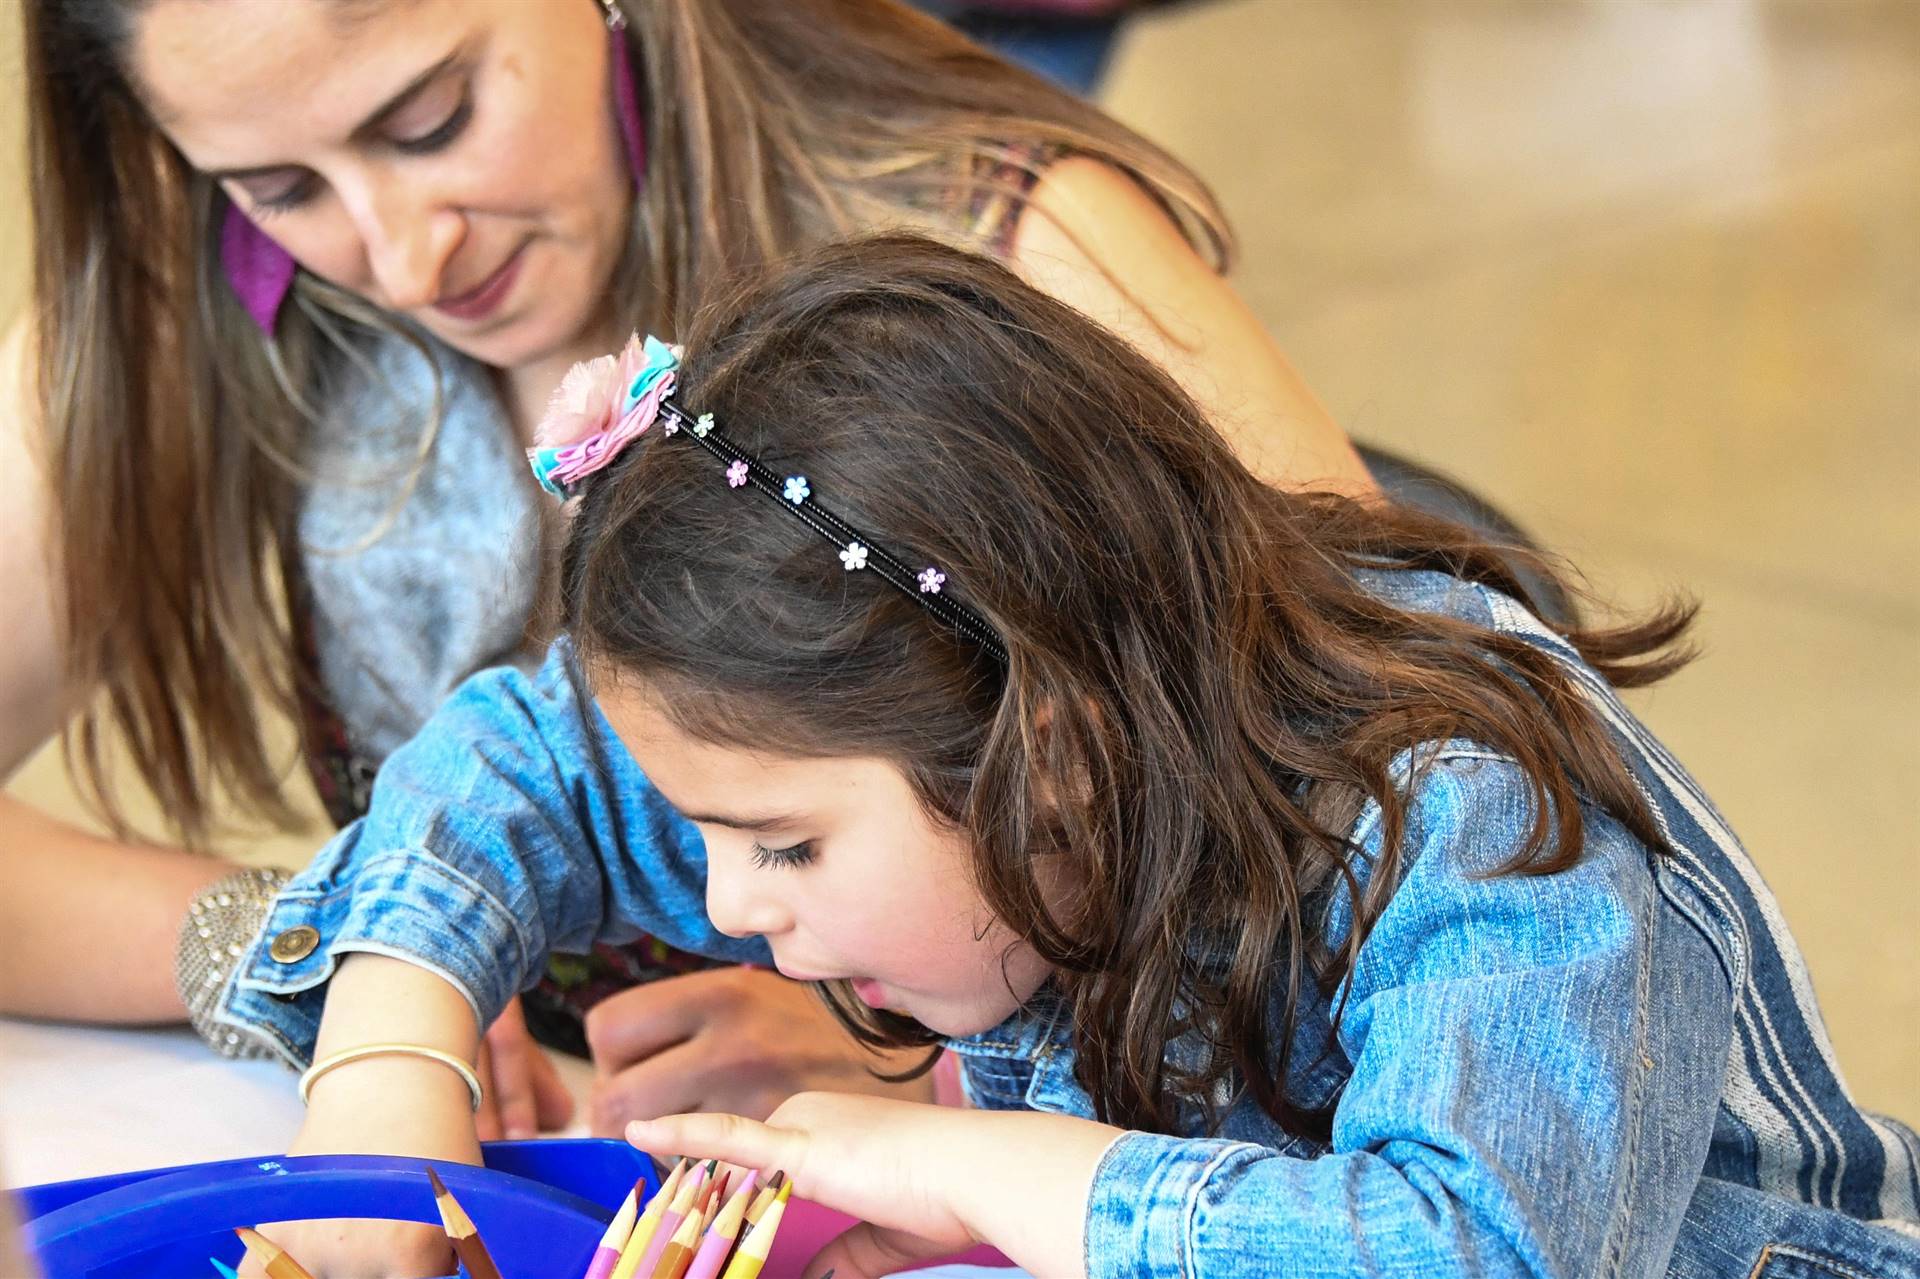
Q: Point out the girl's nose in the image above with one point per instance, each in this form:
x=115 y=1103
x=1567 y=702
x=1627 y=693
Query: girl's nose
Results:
x=409 y=244
x=740 y=908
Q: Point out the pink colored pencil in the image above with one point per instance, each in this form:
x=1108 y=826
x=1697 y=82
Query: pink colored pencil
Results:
x=725 y=1229
x=607 y=1255
x=682 y=1204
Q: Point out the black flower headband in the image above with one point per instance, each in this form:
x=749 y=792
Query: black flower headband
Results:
x=606 y=404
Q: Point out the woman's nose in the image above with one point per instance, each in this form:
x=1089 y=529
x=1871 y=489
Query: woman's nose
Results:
x=409 y=243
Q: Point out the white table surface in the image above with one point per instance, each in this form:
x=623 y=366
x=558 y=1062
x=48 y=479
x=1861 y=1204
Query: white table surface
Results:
x=82 y=1101
x=79 y=1101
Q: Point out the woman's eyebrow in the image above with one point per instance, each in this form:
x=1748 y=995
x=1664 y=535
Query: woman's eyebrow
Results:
x=371 y=124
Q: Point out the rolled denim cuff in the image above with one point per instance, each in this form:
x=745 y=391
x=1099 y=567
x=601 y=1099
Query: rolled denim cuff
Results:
x=1147 y=1202
x=405 y=904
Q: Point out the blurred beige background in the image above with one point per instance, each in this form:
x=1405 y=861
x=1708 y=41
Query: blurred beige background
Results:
x=1647 y=272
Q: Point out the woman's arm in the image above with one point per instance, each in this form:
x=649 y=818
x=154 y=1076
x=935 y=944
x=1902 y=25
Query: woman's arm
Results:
x=87 y=924
x=1092 y=238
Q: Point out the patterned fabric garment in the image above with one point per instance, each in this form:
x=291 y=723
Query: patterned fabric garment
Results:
x=421 y=568
x=1617 y=1069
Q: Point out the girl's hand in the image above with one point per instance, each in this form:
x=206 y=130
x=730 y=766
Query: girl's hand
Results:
x=740 y=1040
x=867 y=1156
x=926 y=1181
x=382 y=1105
x=349 y=1249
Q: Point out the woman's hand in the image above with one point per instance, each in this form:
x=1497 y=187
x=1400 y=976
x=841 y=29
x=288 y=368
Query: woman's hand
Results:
x=524 y=1096
x=926 y=1181
x=739 y=1040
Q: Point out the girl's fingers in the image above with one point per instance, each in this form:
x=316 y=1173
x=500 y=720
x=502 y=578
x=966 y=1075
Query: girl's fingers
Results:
x=867 y=1251
x=745 y=1142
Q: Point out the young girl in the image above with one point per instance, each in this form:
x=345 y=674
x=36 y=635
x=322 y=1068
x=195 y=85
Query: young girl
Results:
x=1293 y=900
x=307 y=272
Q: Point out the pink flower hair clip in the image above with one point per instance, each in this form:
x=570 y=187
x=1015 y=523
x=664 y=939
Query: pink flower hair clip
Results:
x=601 y=407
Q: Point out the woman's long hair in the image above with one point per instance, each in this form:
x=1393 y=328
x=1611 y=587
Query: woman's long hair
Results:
x=176 y=437
x=1201 y=692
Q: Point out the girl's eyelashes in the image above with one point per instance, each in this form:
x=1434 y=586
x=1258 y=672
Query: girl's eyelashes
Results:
x=765 y=858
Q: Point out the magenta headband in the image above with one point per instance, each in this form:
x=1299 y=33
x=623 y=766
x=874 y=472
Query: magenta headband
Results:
x=261 y=272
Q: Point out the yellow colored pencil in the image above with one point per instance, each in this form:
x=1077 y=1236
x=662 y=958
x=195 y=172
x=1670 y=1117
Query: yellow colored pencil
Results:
x=753 y=1253
x=673 y=1262
x=279 y=1263
x=649 y=1222
x=681 y=1208
x=764 y=1200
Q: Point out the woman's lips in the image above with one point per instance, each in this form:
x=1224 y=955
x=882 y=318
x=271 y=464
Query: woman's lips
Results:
x=480 y=302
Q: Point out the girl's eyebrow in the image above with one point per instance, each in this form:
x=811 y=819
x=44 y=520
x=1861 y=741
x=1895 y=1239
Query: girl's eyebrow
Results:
x=371 y=124
x=772 y=821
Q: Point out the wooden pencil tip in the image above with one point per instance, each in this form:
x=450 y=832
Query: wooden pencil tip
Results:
x=439 y=1186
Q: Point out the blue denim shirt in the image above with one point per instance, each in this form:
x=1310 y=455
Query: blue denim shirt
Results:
x=1614 y=1070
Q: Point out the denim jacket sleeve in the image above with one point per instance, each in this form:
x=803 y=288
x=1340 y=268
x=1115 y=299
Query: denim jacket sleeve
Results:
x=514 y=825
x=1519 y=1104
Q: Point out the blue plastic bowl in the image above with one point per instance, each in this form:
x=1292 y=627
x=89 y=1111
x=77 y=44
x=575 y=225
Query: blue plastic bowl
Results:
x=540 y=1206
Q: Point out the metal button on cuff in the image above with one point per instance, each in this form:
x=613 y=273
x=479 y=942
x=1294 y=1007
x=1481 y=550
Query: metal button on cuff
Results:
x=294 y=945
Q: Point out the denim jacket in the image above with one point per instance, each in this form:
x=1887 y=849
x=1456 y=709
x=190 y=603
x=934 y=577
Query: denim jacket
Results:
x=1618 y=1069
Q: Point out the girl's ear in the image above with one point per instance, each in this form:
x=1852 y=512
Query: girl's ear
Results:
x=1069 y=781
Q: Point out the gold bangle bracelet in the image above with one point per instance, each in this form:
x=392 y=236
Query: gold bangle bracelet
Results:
x=348 y=1055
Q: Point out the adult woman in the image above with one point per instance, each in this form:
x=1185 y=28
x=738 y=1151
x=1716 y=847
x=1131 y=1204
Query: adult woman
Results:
x=463 y=187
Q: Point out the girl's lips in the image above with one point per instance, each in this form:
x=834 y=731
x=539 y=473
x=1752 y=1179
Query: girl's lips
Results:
x=478 y=303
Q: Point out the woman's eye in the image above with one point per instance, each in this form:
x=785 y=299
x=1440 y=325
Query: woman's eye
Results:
x=280 y=197
x=441 y=135
x=765 y=858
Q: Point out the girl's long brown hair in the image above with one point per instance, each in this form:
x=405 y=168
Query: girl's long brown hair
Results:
x=176 y=437
x=1201 y=692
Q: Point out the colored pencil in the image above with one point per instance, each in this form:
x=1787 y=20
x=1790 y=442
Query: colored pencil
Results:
x=648 y=1223
x=226 y=1271
x=721 y=1234
x=279 y=1265
x=461 y=1232
x=752 y=1254
x=681 y=1206
x=614 y=1241
x=764 y=1200
x=673 y=1262
x=713 y=1205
